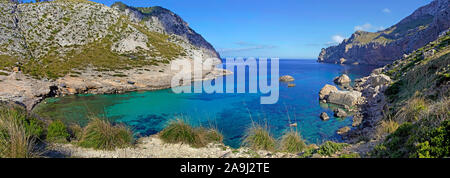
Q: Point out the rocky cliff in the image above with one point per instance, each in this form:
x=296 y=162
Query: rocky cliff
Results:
x=384 y=47
x=78 y=46
x=161 y=20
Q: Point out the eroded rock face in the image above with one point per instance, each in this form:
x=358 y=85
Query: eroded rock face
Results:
x=344 y=98
x=162 y=20
x=386 y=46
x=325 y=91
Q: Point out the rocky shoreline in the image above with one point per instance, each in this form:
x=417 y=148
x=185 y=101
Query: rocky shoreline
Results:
x=28 y=92
x=366 y=101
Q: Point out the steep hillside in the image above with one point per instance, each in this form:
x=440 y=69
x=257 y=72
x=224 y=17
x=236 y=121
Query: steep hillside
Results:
x=161 y=20
x=410 y=116
x=78 y=46
x=384 y=47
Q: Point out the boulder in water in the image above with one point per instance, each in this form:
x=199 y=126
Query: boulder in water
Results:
x=287 y=78
x=342 y=80
x=340 y=113
x=324 y=116
x=325 y=91
x=344 y=98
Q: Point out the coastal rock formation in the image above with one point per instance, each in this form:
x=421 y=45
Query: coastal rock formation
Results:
x=342 y=80
x=344 y=98
x=383 y=47
x=340 y=113
x=325 y=91
x=324 y=116
x=72 y=47
x=343 y=130
x=287 y=78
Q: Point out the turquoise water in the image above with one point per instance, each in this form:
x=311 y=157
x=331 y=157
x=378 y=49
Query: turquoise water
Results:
x=148 y=112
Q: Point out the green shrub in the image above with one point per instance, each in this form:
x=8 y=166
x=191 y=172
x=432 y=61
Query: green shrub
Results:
x=292 y=142
x=57 y=132
x=17 y=135
x=350 y=155
x=412 y=141
x=101 y=134
x=436 y=144
x=178 y=131
x=33 y=126
x=259 y=138
x=329 y=148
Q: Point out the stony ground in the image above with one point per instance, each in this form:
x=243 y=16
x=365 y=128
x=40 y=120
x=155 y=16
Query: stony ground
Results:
x=153 y=147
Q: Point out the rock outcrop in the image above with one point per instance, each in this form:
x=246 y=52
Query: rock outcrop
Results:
x=344 y=98
x=324 y=116
x=340 y=113
x=325 y=91
x=384 y=47
x=342 y=80
x=163 y=20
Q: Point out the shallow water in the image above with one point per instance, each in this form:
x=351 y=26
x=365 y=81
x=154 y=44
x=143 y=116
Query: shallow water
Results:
x=148 y=112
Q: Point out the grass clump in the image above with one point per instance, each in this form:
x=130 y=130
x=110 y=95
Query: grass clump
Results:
x=387 y=127
x=76 y=132
x=259 y=138
x=292 y=142
x=18 y=133
x=412 y=111
x=329 y=148
x=350 y=155
x=178 y=131
x=57 y=132
x=101 y=134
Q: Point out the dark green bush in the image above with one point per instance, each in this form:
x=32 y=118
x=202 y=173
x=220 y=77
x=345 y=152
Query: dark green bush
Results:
x=411 y=141
x=329 y=148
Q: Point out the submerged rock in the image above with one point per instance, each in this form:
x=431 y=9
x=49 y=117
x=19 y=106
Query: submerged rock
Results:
x=324 y=116
x=342 y=80
x=343 y=130
x=325 y=91
x=340 y=113
x=344 y=98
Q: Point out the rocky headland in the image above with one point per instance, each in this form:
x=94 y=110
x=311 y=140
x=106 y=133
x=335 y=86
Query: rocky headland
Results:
x=384 y=47
x=61 y=48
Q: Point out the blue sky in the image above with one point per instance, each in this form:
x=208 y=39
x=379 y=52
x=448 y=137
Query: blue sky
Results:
x=296 y=29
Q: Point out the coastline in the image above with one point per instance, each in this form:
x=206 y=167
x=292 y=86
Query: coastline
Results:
x=29 y=92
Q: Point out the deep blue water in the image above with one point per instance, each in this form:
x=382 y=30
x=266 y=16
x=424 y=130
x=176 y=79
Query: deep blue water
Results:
x=148 y=112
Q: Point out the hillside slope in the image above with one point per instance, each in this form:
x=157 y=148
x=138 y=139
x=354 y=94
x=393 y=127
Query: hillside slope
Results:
x=383 y=47
x=77 y=46
x=410 y=116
